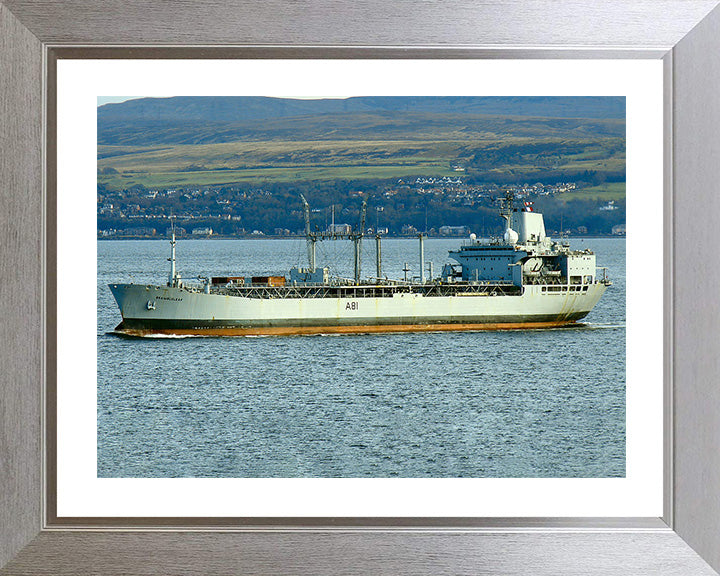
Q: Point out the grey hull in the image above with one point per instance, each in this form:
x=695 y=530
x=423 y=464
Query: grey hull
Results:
x=160 y=309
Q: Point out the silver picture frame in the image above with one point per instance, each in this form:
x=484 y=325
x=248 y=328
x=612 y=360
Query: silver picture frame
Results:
x=685 y=34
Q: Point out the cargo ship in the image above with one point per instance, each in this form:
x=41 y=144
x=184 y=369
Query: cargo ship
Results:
x=524 y=280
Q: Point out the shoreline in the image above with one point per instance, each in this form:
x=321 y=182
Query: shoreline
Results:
x=300 y=237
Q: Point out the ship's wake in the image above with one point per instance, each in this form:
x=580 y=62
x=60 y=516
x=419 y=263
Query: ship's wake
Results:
x=122 y=334
x=602 y=325
x=149 y=334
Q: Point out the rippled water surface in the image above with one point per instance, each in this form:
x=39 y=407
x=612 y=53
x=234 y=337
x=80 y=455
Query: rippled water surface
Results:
x=538 y=403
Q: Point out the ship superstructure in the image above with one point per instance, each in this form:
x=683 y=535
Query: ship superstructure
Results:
x=523 y=280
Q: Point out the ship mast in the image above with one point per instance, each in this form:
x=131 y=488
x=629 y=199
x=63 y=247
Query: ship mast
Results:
x=378 y=255
x=506 y=207
x=357 y=238
x=172 y=277
x=310 y=239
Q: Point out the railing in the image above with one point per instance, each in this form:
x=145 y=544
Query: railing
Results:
x=366 y=291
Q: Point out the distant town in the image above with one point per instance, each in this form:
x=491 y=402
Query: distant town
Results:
x=442 y=206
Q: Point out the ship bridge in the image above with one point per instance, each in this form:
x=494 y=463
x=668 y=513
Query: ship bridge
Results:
x=525 y=255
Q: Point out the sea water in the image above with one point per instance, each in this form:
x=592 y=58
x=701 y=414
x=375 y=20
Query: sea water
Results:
x=509 y=404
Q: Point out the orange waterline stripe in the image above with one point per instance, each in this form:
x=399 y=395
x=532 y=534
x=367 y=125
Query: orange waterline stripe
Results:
x=302 y=330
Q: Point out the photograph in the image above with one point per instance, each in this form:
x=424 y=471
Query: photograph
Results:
x=371 y=287
x=361 y=286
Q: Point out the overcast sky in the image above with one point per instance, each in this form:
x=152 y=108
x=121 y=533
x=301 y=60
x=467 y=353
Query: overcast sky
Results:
x=108 y=99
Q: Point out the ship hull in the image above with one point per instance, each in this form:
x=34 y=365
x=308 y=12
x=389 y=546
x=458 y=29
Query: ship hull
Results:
x=159 y=310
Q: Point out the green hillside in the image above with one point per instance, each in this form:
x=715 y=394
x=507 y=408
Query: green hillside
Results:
x=236 y=164
x=487 y=157
x=204 y=141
